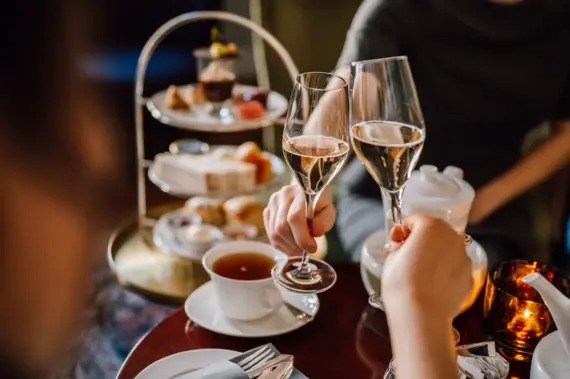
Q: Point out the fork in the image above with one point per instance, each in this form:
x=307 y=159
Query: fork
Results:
x=281 y=366
x=250 y=363
x=256 y=359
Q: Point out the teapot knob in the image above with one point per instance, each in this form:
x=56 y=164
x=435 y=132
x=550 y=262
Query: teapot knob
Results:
x=454 y=172
x=428 y=172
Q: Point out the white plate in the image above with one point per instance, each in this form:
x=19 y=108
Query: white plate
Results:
x=279 y=179
x=200 y=120
x=203 y=309
x=179 y=363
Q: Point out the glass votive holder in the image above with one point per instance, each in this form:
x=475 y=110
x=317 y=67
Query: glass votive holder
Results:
x=515 y=315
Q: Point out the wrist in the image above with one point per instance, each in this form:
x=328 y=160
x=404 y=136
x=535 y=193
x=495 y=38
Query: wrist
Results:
x=423 y=342
x=410 y=309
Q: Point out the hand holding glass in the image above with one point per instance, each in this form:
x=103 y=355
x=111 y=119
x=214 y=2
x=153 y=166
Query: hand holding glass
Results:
x=387 y=129
x=315 y=146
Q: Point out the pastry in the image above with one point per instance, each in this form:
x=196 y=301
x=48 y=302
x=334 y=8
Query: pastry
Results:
x=258 y=95
x=244 y=210
x=249 y=152
x=250 y=110
x=210 y=210
x=173 y=99
x=197 y=95
x=217 y=82
x=205 y=174
x=263 y=173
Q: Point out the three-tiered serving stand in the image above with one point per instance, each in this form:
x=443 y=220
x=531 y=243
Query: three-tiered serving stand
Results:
x=132 y=255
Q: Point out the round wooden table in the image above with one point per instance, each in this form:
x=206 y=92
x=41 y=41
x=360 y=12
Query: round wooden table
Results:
x=347 y=340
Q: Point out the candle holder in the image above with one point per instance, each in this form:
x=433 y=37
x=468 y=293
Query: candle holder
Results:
x=515 y=315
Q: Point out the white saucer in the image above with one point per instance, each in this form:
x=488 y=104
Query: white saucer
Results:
x=179 y=363
x=203 y=309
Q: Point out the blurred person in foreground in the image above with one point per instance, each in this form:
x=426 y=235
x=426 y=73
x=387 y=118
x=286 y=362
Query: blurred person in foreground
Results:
x=486 y=72
x=59 y=177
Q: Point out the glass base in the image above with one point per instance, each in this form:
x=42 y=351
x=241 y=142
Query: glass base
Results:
x=375 y=301
x=320 y=278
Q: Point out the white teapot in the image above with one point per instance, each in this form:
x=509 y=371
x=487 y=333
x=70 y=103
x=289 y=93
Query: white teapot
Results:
x=551 y=358
x=439 y=194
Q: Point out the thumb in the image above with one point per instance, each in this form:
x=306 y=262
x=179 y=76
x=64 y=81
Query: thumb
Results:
x=323 y=220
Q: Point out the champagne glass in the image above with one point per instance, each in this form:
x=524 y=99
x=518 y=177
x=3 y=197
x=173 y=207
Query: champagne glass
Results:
x=387 y=129
x=315 y=146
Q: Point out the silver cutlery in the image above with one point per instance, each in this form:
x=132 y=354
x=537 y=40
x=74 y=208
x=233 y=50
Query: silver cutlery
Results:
x=252 y=362
x=256 y=359
x=280 y=367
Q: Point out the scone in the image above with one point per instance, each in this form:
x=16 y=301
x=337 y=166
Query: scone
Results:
x=244 y=210
x=173 y=100
x=211 y=210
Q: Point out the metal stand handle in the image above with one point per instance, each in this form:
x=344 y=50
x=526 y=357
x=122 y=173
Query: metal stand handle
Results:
x=142 y=65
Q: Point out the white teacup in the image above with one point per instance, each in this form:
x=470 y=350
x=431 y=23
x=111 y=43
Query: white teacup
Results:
x=244 y=299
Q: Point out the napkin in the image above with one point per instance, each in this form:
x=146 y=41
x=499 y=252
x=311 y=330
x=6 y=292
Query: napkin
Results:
x=230 y=369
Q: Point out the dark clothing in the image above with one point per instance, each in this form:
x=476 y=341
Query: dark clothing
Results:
x=485 y=74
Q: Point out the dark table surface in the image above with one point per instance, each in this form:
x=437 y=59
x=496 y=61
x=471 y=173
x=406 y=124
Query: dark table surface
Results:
x=348 y=339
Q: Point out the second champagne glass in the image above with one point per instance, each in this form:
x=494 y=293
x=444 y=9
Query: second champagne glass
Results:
x=387 y=129
x=315 y=146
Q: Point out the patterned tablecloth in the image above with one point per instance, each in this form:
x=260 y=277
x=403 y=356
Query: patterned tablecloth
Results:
x=118 y=318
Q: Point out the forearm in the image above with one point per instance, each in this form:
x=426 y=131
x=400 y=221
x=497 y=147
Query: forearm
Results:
x=533 y=169
x=422 y=346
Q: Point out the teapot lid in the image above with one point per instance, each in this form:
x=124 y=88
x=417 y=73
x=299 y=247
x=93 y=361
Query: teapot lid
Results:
x=429 y=188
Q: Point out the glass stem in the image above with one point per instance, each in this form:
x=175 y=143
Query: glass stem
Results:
x=394 y=200
x=305 y=269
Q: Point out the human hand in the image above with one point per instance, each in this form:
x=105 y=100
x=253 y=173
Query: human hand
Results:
x=286 y=221
x=430 y=272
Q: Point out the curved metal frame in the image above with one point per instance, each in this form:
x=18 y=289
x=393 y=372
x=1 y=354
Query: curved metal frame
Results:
x=142 y=65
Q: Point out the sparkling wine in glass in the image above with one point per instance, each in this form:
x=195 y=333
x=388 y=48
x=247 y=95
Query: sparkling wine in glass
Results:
x=387 y=129
x=315 y=146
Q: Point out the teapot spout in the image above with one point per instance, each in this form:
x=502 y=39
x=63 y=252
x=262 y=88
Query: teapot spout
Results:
x=558 y=304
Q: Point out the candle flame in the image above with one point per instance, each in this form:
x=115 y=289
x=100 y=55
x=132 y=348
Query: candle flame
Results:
x=526 y=313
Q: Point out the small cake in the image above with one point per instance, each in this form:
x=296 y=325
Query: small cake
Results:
x=217 y=82
x=263 y=174
x=210 y=210
x=244 y=210
x=249 y=152
x=173 y=100
x=250 y=110
x=259 y=95
x=205 y=174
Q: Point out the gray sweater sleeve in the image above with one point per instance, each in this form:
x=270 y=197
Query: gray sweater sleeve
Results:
x=373 y=33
